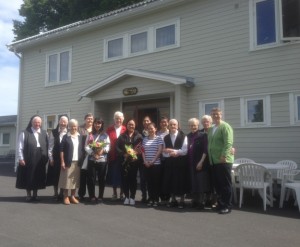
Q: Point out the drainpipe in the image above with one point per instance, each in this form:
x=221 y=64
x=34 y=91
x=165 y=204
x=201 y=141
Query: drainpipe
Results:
x=18 y=109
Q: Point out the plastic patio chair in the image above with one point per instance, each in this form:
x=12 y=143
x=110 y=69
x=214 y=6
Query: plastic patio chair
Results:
x=253 y=176
x=235 y=178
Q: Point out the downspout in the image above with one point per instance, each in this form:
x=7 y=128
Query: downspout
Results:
x=18 y=109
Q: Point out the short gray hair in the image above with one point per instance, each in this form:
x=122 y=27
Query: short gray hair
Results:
x=73 y=122
x=118 y=114
x=193 y=121
x=206 y=117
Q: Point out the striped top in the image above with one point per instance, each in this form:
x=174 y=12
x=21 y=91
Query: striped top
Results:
x=151 y=147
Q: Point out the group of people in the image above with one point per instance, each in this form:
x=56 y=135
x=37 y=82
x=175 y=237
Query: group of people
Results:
x=171 y=165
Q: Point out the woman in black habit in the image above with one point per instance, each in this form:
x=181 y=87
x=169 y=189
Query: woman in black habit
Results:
x=33 y=157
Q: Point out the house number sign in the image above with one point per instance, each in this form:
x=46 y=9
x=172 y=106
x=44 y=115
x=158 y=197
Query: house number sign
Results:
x=130 y=91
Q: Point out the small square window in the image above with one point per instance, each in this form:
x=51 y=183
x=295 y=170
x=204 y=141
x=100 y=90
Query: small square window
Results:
x=5 y=138
x=205 y=107
x=165 y=36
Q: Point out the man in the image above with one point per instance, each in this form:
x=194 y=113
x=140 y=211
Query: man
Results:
x=220 y=141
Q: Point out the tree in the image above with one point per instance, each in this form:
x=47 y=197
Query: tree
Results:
x=44 y=15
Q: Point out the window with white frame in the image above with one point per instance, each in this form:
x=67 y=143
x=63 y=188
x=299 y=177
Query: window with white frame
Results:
x=294 y=108
x=58 y=69
x=205 y=107
x=51 y=120
x=255 y=111
x=274 y=22
x=4 y=139
x=149 y=39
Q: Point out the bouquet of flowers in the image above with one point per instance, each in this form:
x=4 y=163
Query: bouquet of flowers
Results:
x=97 y=146
x=132 y=154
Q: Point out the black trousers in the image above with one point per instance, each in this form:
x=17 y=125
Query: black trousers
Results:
x=83 y=183
x=223 y=184
x=129 y=181
x=96 y=171
x=143 y=181
x=153 y=178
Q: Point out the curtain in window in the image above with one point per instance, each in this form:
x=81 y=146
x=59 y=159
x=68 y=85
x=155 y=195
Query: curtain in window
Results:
x=64 y=66
x=139 y=42
x=165 y=36
x=115 y=48
x=53 y=68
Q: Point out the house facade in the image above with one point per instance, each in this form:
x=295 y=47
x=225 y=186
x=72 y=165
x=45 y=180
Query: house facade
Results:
x=175 y=58
x=8 y=127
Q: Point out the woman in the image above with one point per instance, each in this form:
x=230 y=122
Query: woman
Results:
x=71 y=157
x=54 y=155
x=114 y=165
x=33 y=157
x=175 y=174
x=152 y=145
x=198 y=164
x=129 y=146
x=97 y=147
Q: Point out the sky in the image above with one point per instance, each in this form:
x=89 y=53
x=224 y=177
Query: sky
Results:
x=9 y=62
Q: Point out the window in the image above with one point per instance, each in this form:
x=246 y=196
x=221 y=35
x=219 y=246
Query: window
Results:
x=139 y=42
x=294 y=108
x=58 y=68
x=205 y=107
x=255 y=111
x=165 y=36
x=51 y=120
x=4 y=139
x=115 y=48
x=149 y=39
x=274 y=22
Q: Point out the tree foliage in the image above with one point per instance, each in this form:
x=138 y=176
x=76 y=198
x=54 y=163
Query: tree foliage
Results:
x=44 y=15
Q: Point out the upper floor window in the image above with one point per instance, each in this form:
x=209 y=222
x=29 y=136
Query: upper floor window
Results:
x=255 y=111
x=58 y=67
x=153 y=38
x=4 y=139
x=274 y=22
x=294 y=108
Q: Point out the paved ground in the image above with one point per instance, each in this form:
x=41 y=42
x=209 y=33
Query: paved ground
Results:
x=111 y=224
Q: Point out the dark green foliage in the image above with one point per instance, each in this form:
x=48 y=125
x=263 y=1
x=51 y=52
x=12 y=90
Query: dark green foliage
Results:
x=44 y=15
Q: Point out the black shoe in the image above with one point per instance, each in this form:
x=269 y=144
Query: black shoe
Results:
x=34 y=199
x=172 y=204
x=144 y=200
x=200 y=206
x=225 y=211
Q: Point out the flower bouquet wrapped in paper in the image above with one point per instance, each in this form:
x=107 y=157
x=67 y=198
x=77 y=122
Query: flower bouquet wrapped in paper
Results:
x=132 y=154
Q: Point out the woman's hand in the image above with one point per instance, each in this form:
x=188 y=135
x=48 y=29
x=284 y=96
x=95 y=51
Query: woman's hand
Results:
x=199 y=166
x=51 y=162
x=22 y=162
x=63 y=166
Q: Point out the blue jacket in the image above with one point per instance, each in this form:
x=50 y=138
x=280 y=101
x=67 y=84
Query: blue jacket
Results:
x=66 y=146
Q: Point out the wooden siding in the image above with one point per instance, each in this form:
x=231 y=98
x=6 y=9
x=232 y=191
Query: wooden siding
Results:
x=214 y=49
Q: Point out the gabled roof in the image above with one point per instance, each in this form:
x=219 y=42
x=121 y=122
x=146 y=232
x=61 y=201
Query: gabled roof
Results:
x=8 y=120
x=173 y=79
x=138 y=8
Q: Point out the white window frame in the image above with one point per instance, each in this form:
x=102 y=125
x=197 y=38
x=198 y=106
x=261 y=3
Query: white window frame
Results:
x=202 y=104
x=45 y=122
x=1 y=139
x=151 y=40
x=294 y=108
x=266 y=108
x=278 y=27
x=58 y=52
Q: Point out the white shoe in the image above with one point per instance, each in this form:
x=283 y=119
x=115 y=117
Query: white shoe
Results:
x=131 y=202
x=126 y=201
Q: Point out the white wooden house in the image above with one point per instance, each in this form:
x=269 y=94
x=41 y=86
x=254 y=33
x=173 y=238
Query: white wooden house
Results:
x=177 y=58
x=8 y=126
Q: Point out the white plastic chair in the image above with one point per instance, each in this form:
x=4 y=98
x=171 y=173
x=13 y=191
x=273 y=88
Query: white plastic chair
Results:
x=234 y=176
x=288 y=182
x=291 y=165
x=253 y=176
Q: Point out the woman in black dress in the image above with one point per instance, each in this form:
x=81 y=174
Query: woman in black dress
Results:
x=33 y=157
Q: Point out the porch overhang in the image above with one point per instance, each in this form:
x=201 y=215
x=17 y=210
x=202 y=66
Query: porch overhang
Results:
x=173 y=79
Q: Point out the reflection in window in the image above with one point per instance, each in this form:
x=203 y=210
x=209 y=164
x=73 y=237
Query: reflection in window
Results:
x=290 y=18
x=255 y=111
x=209 y=107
